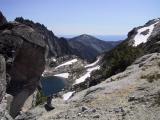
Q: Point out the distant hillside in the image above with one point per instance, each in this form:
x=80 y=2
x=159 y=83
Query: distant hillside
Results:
x=141 y=40
x=89 y=47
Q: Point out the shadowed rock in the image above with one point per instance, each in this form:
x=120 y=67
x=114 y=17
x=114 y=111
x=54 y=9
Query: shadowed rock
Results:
x=24 y=52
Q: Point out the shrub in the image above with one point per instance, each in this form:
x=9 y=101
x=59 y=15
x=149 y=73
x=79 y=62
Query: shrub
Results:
x=119 y=59
x=40 y=98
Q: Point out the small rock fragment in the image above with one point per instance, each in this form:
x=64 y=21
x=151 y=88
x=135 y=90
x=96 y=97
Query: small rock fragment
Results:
x=96 y=116
x=84 y=108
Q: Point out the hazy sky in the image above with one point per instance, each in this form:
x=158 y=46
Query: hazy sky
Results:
x=96 y=17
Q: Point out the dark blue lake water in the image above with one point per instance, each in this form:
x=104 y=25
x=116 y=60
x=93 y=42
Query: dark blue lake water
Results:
x=52 y=85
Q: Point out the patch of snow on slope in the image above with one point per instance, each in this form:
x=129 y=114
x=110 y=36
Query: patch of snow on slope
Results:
x=67 y=63
x=140 y=38
x=93 y=68
x=85 y=76
x=92 y=64
x=53 y=59
x=63 y=75
x=66 y=96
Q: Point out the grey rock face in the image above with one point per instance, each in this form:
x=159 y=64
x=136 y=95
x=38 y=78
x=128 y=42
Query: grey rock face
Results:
x=4 y=108
x=24 y=51
x=2 y=77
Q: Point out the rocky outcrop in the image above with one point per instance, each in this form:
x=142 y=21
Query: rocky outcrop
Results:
x=24 y=51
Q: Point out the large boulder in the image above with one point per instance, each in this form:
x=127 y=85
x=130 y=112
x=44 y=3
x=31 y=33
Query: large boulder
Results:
x=24 y=51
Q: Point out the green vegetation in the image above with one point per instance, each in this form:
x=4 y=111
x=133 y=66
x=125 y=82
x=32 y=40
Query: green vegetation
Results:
x=119 y=59
x=116 y=61
x=40 y=98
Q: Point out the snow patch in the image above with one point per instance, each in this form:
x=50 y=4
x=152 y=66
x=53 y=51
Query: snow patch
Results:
x=53 y=59
x=68 y=95
x=92 y=64
x=82 y=79
x=140 y=38
x=67 y=63
x=85 y=76
x=63 y=75
x=93 y=69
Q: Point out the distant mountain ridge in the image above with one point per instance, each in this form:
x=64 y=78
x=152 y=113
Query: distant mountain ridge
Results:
x=89 y=47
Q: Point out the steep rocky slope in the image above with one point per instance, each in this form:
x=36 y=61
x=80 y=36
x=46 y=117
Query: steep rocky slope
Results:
x=132 y=94
x=88 y=47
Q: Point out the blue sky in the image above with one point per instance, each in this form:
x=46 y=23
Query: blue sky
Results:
x=73 y=17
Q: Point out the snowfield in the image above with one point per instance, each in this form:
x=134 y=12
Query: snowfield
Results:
x=92 y=64
x=63 y=75
x=140 y=38
x=66 y=96
x=67 y=63
x=85 y=76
